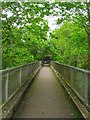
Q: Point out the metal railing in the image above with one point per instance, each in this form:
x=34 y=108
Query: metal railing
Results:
x=77 y=79
x=14 y=78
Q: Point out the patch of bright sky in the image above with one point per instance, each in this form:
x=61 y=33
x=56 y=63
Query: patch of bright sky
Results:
x=51 y=19
x=9 y=13
x=52 y=22
x=50 y=1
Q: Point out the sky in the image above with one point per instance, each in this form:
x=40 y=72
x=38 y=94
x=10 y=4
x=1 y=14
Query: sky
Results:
x=51 y=20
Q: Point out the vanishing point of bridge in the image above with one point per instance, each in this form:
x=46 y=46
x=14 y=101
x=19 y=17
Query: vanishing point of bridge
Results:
x=33 y=91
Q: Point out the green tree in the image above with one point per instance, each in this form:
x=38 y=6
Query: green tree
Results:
x=80 y=11
x=23 y=32
x=71 y=44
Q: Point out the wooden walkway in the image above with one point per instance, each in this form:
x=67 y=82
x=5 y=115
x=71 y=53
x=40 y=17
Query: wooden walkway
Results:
x=45 y=98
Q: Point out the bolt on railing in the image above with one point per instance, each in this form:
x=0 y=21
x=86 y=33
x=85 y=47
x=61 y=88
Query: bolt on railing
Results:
x=77 y=79
x=12 y=79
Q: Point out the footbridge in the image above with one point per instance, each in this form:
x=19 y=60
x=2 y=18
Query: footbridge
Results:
x=49 y=91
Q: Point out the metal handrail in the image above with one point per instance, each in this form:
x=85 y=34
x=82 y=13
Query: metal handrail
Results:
x=10 y=69
x=77 y=79
x=76 y=68
x=13 y=78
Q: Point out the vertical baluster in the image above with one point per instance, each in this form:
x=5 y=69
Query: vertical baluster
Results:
x=1 y=78
x=20 y=76
x=28 y=70
x=86 y=88
x=6 y=86
x=32 y=67
x=71 y=79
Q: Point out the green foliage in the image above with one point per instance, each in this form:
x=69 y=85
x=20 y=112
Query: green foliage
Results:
x=24 y=33
x=71 y=45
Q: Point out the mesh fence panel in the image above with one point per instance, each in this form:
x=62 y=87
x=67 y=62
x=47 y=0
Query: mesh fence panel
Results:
x=13 y=82
x=13 y=78
x=4 y=78
x=78 y=79
x=29 y=69
x=24 y=75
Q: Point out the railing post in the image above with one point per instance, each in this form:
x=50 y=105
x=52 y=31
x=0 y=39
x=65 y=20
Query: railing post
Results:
x=6 y=87
x=28 y=70
x=20 y=76
x=72 y=81
x=0 y=95
x=0 y=89
x=86 y=88
x=32 y=67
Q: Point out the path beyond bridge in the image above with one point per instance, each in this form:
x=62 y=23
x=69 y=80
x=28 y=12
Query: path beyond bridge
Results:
x=45 y=98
